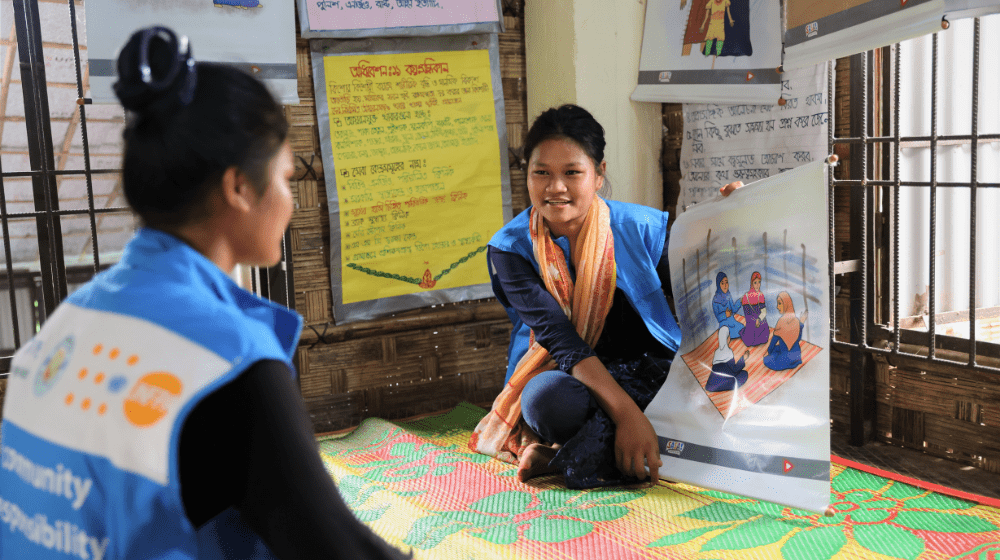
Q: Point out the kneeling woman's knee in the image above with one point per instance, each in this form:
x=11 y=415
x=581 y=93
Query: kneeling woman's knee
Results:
x=555 y=405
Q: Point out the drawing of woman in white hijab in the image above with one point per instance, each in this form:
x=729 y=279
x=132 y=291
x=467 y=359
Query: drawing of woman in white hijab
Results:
x=727 y=373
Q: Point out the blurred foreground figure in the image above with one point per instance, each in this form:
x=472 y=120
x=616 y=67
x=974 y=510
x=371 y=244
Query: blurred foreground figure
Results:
x=156 y=414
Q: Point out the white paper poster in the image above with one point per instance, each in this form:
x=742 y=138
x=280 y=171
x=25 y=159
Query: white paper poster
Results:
x=358 y=19
x=726 y=143
x=819 y=31
x=958 y=9
x=710 y=51
x=256 y=36
x=745 y=408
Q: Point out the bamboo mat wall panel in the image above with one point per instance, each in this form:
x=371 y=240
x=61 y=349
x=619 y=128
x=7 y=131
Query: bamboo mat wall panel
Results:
x=414 y=362
x=946 y=411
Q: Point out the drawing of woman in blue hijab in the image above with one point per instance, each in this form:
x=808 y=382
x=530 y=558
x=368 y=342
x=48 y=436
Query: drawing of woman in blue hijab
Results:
x=725 y=308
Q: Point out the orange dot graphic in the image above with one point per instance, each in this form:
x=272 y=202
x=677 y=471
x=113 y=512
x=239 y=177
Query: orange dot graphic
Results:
x=85 y=404
x=83 y=373
x=98 y=378
x=113 y=354
x=97 y=349
x=102 y=409
x=151 y=398
x=69 y=399
x=133 y=359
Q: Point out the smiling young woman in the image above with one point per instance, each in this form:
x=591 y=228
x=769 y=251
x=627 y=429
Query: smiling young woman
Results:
x=583 y=281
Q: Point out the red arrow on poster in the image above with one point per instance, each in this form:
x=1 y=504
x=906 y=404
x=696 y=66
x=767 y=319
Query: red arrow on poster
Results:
x=788 y=465
x=902 y=3
x=749 y=76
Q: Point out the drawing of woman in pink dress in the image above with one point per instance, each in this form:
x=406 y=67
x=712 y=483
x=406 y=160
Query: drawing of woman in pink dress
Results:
x=755 y=312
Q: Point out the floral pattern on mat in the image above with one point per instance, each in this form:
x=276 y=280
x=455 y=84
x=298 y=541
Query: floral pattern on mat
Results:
x=420 y=488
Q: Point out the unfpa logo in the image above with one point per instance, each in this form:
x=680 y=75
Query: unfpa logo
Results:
x=147 y=402
x=151 y=398
x=812 y=29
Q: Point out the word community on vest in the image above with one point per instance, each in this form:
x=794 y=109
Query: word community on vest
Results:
x=59 y=481
x=60 y=536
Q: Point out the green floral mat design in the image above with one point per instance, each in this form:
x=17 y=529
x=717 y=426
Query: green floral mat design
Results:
x=419 y=487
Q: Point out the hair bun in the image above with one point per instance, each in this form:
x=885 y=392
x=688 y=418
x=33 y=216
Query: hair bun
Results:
x=155 y=71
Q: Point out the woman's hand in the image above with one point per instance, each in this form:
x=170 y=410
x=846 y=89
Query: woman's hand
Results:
x=729 y=313
x=728 y=189
x=636 y=447
x=635 y=439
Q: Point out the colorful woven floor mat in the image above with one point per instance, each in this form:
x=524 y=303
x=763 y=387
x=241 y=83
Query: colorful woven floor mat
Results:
x=419 y=487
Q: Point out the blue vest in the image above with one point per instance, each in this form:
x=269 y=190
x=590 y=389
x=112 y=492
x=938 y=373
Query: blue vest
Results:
x=96 y=401
x=639 y=233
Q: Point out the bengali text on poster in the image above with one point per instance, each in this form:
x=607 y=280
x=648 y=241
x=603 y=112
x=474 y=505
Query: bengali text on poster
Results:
x=417 y=165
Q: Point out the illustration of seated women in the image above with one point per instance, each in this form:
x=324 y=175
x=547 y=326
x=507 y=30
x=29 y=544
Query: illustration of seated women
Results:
x=725 y=308
x=727 y=374
x=784 y=351
x=755 y=313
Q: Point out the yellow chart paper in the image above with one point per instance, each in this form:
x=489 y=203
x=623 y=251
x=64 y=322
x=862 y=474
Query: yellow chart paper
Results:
x=417 y=164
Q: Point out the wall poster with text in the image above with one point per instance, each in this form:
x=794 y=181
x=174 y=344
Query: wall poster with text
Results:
x=725 y=143
x=258 y=37
x=745 y=408
x=356 y=19
x=710 y=51
x=415 y=151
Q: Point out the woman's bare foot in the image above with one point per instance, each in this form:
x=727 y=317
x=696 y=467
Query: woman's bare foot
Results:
x=535 y=461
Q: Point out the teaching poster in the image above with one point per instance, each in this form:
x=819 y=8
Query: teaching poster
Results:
x=726 y=143
x=398 y=18
x=256 y=36
x=417 y=178
x=821 y=30
x=745 y=408
x=714 y=51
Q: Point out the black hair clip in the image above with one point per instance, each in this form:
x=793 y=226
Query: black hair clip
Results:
x=183 y=62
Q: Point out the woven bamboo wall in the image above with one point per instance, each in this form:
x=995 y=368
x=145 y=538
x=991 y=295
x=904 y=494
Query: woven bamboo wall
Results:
x=420 y=361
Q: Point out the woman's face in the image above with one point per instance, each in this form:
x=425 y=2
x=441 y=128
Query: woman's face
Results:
x=781 y=305
x=562 y=184
x=756 y=284
x=724 y=285
x=273 y=211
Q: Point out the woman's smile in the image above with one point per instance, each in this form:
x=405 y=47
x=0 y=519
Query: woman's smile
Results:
x=562 y=183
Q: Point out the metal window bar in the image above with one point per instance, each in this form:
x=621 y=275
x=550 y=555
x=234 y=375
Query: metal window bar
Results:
x=863 y=328
x=52 y=281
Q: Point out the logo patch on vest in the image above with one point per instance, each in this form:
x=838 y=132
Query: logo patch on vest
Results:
x=54 y=365
x=151 y=398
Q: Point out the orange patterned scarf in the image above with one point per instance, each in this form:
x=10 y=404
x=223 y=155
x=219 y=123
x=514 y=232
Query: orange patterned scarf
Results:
x=503 y=433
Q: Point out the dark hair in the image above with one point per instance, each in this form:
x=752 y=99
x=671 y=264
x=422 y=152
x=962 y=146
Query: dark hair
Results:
x=571 y=122
x=188 y=122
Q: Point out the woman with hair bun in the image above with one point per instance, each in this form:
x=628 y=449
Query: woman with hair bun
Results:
x=159 y=403
x=583 y=281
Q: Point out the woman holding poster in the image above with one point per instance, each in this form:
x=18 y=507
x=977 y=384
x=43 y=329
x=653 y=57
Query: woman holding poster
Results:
x=583 y=282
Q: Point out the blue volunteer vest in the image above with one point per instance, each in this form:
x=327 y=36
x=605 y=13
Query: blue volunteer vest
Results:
x=639 y=232
x=96 y=401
